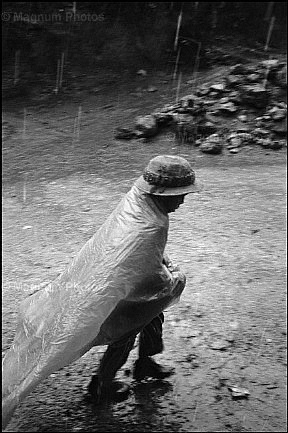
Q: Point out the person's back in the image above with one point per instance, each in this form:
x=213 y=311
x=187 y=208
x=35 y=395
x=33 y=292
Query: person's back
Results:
x=117 y=286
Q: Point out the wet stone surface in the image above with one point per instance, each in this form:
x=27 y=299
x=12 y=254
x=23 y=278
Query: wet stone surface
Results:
x=228 y=330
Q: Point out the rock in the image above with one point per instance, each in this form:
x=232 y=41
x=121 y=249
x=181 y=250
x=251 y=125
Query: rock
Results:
x=234 y=150
x=95 y=90
x=227 y=108
x=141 y=137
x=266 y=143
x=259 y=121
x=206 y=128
x=239 y=392
x=202 y=91
x=270 y=64
x=146 y=125
x=219 y=345
x=253 y=78
x=152 y=89
x=243 y=118
x=210 y=118
x=235 y=97
x=254 y=95
x=234 y=142
x=242 y=128
x=261 y=132
x=142 y=72
x=170 y=108
x=281 y=77
x=280 y=128
x=218 y=88
x=190 y=357
x=181 y=118
x=223 y=100
x=281 y=104
x=231 y=136
x=238 y=69
x=277 y=113
x=246 y=138
x=162 y=118
x=124 y=134
x=239 y=139
x=209 y=102
x=276 y=145
x=213 y=145
x=182 y=110
x=233 y=80
x=194 y=106
x=187 y=101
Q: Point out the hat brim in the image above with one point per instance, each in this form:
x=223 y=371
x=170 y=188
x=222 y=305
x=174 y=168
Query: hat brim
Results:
x=163 y=191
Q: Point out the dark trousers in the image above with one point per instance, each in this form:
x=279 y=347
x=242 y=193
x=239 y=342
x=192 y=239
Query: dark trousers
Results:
x=150 y=343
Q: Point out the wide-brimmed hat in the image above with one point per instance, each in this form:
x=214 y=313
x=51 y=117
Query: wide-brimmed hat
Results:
x=168 y=175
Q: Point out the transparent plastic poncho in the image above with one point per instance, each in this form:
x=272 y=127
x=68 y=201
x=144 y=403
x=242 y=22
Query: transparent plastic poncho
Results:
x=114 y=286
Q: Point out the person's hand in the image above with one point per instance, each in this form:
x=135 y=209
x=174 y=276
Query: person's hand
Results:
x=179 y=283
x=173 y=268
x=169 y=265
x=177 y=274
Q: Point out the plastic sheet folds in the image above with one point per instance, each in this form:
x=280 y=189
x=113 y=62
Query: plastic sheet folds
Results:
x=114 y=286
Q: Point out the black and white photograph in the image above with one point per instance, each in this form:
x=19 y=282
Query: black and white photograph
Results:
x=144 y=215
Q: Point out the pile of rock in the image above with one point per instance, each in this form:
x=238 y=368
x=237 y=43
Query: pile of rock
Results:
x=258 y=136
x=187 y=119
x=246 y=86
x=249 y=93
x=274 y=119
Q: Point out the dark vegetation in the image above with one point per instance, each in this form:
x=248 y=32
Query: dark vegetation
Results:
x=127 y=36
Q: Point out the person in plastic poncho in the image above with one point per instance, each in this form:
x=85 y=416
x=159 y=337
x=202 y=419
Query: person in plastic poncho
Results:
x=162 y=187
x=116 y=287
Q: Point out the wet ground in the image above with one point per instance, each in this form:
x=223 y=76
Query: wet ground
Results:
x=60 y=182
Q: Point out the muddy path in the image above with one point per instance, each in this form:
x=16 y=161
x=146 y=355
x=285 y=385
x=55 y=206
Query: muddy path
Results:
x=229 y=329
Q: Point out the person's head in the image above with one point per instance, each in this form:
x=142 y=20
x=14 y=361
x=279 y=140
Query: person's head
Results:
x=168 y=178
x=169 y=202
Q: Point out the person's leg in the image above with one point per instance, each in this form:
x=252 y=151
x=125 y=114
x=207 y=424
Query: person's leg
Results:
x=114 y=358
x=103 y=385
x=151 y=343
x=150 y=339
